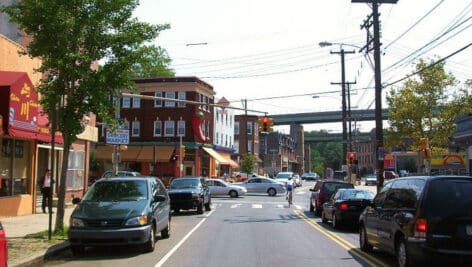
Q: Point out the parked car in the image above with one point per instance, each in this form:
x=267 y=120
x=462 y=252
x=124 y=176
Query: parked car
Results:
x=370 y=179
x=345 y=206
x=322 y=191
x=310 y=176
x=3 y=247
x=222 y=188
x=284 y=177
x=419 y=218
x=263 y=185
x=109 y=173
x=120 y=211
x=189 y=192
x=390 y=175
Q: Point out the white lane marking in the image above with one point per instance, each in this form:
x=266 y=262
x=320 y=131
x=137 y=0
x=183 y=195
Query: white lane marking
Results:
x=280 y=206
x=300 y=193
x=235 y=206
x=256 y=206
x=298 y=207
x=174 y=249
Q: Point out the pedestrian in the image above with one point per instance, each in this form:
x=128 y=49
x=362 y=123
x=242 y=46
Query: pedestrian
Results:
x=45 y=184
x=289 y=185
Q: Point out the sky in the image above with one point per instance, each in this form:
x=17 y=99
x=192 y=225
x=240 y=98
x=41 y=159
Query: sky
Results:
x=252 y=49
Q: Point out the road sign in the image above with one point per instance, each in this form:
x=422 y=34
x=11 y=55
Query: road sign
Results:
x=120 y=137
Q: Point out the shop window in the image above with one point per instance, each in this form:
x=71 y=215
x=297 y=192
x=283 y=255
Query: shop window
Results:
x=75 y=170
x=15 y=165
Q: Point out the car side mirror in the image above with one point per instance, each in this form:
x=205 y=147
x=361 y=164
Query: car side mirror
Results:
x=159 y=198
x=76 y=200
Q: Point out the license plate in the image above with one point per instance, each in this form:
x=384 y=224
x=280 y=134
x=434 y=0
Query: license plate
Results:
x=468 y=229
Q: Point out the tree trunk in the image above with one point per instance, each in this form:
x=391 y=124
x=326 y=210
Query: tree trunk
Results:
x=59 y=226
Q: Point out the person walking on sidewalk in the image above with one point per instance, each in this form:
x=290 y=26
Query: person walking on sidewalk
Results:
x=45 y=183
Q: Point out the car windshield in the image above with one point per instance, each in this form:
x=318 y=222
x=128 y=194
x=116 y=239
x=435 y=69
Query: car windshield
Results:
x=184 y=183
x=283 y=175
x=117 y=190
x=357 y=194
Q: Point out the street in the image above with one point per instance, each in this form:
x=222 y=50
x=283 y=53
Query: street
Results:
x=254 y=230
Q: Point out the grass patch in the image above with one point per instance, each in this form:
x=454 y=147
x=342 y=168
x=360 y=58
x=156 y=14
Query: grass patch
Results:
x=59 y=235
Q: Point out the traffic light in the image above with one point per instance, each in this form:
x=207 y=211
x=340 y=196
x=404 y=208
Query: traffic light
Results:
x=270 y=124
x=265 y=123
x=352 y=158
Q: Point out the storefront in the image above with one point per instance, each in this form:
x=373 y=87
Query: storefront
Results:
x=18 y=124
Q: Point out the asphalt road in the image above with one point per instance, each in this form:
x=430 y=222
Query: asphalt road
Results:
x=253 y=230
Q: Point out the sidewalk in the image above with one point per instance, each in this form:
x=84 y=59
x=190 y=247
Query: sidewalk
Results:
x=20 y=226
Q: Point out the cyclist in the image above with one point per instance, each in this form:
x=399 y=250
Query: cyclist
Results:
x=289 y=185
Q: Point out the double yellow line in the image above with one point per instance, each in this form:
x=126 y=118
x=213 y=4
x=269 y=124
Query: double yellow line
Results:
x=372 y=261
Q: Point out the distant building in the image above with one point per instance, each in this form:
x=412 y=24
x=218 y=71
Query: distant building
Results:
x=246 y=137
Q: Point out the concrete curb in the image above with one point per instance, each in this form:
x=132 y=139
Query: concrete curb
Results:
x=37 y=259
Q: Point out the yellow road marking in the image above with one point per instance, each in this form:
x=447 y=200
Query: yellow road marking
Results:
x=372 y=261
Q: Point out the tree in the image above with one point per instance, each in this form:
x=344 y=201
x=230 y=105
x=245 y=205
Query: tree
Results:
x=155 y=63
x=70 y=37
x=422 y=108
x=248 y=163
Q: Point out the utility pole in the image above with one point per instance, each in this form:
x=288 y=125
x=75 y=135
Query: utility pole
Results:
x=343 y=92
x=378 y=82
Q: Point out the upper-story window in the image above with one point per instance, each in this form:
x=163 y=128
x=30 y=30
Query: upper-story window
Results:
x=136 y=102
x=135 y=128
x=126 y=102
x=249 y=127
x=181 y=96
x=236 y=127
x=181 y=128
x=157 y=128
x=158 y=102
x=169 y=128
x=172 y=96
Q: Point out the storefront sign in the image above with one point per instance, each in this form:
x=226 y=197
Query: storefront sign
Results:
x=120 y=137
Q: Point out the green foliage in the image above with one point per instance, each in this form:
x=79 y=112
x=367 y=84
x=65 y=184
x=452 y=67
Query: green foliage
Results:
x=325 y=154
x=155 y=63
x=425 y=106
x=248 y=163
x=71 y=37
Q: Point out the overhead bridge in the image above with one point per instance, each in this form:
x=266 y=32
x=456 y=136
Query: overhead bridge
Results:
x=326 y=117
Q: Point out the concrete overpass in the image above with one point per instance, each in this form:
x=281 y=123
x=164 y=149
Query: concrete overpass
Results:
x=336 y=137
x=326 y=117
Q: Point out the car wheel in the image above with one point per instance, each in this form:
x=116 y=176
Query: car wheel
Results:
x=403 y=257
x=151 y=243
x=176 y=210
x=165 y=233
x=271 y=192
x=363 y=241
x=77 y=250
x=233 y=193
x=335 y=221
x=311 y=207
x=200 y=208
x=208 y=205
x=323 y=218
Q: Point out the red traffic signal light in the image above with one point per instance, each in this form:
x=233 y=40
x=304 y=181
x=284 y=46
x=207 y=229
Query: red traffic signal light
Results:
x=352 y=158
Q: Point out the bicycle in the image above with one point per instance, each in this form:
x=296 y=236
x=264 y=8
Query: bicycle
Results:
x=289 y=198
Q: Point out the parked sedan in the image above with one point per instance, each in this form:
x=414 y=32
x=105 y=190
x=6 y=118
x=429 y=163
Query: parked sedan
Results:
x=3 y=247
x=222 y=188
x=310 y=176
x=345 y=206
x=263 y=185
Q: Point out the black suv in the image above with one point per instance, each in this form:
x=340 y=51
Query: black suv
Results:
x=120 y=211
x=322 y=191
x=189 y=193
x=418 y=218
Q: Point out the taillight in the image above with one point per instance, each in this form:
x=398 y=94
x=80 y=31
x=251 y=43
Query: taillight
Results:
x=421 y=228
x=343 y=206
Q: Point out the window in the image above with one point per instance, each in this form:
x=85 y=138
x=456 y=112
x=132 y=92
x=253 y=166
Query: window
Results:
x=181 y=96
x=158 y=102
x=75 y=170
x=126 y=102
x=157 y=128
x=15 y=165
x=236 y=127
x=172 y=96
x=135 y=128
x=136 y=102
x=249 y=127
x=169 y=128
x=181 y=128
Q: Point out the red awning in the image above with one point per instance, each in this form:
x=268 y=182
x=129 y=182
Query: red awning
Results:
x=44 y=129
x=18 y=104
